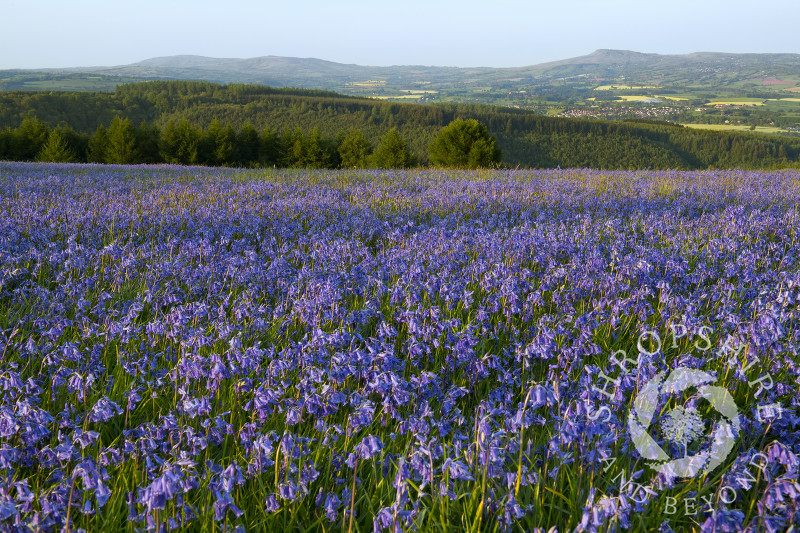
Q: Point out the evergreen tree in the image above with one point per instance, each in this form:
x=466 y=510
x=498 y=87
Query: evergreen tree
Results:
x=393 y=151
x=246 y=146
x=96 y=152
x=147 y=143
x=168 y=143
x=55 y=149
x=29 y=138
x=314 y=155
x=303 y=151
x=76 y=142
x=121 y=147
x=216 y=147
x=464 y=144
x=271 y=151
x=179 y=144
x=6 y=144
x=293 y=149
x=355 y=150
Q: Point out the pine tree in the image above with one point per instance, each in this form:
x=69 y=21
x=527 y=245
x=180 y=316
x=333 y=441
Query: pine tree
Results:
x=270 y=152
x=96 y=153
x=355 y=150
x=393 y=151
x=217 y=145
x=464 y=144
x=6 y=144
x=314 y=155
x=147 y=143
x=29 y=138
x=246 y=146
x=121 y=147
x=168 y=144
x=188 y=141
x=55 y=149
x=179 y=144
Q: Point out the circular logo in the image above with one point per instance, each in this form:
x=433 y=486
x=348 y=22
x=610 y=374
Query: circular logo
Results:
x=684 y=425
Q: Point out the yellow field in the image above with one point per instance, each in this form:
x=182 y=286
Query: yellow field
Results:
x=635 y=98
x=734 y=127
x=735 y=102
x=368 y=83
x=638 y=97
x=785 y=99
x=398 y=97
x=624 y=87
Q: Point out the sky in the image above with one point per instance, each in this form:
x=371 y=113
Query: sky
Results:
x=461 y=33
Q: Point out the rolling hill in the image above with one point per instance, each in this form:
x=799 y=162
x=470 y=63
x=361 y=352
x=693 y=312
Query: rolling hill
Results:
x=287 y=116
x=702 y=71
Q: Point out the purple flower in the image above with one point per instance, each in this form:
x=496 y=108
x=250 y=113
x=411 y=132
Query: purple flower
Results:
x=272 y=505
x=288 y=491
x=369 y=447
x=331 y=506
x=457 y=470
x=104 y=410
x=723 y=521
x=223 y=503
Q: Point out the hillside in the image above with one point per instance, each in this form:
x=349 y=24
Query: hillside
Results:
x=526 y=139
x=756 y=92
x=702 y=70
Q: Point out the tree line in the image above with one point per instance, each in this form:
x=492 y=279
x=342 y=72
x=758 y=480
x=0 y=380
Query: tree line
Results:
x=250 y=125
x=464 y=144
x=217 y=145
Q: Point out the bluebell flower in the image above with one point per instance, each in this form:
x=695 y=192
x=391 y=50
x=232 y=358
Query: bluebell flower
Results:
x=272 y=505
x=723 y=521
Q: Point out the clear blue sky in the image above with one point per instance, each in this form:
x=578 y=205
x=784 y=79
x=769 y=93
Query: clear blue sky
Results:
x=499 y=33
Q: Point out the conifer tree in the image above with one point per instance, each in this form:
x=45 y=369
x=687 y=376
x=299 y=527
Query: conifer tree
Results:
x=29 y=138
x=55 y=149
x=464 y=144
x=355 y=150
x=96 y=153
x=246 y=146
x=121 y=147
x=393 y=151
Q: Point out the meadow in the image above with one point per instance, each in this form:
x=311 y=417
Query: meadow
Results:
x=306 y=350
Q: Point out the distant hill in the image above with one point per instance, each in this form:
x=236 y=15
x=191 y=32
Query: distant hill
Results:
x=688 y=72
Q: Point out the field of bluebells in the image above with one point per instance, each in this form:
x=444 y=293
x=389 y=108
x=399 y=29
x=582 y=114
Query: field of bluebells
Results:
x=236 y=350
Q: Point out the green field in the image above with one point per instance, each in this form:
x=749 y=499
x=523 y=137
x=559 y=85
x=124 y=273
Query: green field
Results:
x=70 y=82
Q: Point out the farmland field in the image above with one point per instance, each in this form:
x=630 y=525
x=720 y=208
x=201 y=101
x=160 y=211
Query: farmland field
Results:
x=624 y=87
x=736 y=127
x=239 y=350
x=737 y=101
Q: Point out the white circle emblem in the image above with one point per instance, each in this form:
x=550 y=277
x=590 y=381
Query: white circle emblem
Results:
x=683 y=425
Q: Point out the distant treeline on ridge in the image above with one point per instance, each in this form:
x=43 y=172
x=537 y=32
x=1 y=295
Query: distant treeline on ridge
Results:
x=251 y=125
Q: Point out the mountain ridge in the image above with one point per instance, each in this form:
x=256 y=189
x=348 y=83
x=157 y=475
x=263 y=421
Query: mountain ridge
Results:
x=595 y=56
x=607 y=56
x=693 y=75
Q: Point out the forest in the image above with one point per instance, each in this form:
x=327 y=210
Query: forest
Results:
x=192 y=122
